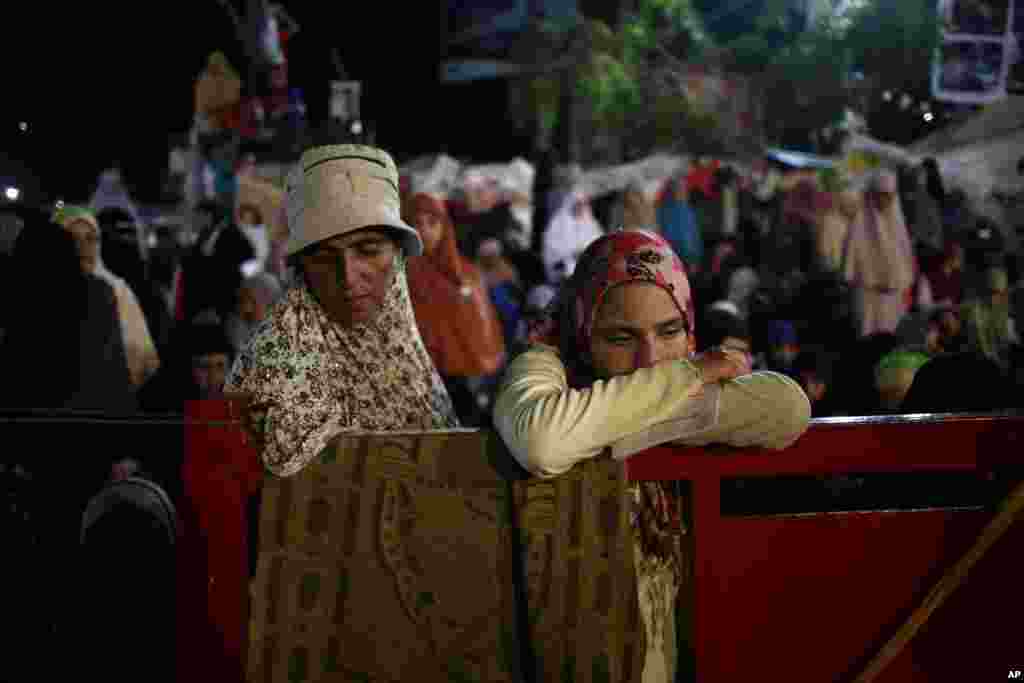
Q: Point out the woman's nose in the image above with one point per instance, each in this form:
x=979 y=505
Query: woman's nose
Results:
x=646 y=353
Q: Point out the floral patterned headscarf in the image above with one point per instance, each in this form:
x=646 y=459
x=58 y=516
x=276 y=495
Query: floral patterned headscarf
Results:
x=614 y=259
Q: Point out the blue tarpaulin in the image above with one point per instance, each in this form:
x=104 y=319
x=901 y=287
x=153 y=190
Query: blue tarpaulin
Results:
x=799 y=159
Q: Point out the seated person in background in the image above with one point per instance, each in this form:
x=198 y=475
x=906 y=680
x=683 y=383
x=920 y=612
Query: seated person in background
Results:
x=614 y=367
x=341 y=351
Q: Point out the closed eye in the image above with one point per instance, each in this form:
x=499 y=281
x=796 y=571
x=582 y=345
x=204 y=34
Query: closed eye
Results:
x=370 y=248
x=619 y=339
x=673 y=330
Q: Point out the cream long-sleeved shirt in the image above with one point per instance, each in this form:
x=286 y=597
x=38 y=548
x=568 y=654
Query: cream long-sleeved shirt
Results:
x=550 y=427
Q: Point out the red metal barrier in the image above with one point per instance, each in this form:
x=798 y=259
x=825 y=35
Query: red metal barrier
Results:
x=809 y=595
x=813 y=596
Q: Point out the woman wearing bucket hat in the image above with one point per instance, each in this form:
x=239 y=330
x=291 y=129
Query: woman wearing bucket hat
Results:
x=341 y=351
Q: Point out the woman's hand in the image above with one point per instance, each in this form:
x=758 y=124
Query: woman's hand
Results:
x=718 y=364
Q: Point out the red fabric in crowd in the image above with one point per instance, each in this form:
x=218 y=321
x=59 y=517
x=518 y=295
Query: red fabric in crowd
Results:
x=220 y=471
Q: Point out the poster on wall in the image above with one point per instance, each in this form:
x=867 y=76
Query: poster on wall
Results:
x=973 y=61
x=971 y=70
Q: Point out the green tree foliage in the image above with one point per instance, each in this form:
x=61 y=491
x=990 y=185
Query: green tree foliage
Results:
x=892 y=41
x=626 y=81
x=808 y=72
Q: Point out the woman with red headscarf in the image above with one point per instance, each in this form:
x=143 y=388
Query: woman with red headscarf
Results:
x=614 y=366
x=454 y=313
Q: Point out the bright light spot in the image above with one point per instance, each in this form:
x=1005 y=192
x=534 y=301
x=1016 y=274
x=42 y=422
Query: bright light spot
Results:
x=60 y=204
x=887 y=96
x=928 y=116
x=12 y=193
x=23 y=126
x=357 y=128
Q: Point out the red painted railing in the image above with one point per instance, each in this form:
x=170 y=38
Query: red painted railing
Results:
x=813 y=595
x=784 y=588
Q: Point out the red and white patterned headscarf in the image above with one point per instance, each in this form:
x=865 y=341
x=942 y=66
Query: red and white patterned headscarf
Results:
x=614 y=259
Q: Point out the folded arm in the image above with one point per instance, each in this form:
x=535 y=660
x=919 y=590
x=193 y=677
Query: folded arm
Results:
x=549 y=427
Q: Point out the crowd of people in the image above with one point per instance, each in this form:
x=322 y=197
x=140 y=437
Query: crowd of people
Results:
x=851 y=291
x=711 y=308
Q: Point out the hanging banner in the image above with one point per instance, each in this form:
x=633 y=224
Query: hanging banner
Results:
x=972 y=63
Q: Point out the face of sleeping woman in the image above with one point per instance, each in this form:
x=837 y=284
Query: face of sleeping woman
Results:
x=637 y=325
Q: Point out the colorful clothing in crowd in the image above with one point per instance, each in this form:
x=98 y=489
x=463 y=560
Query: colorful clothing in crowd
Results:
x=679 y=225
x=454 y=313
x=879 y=259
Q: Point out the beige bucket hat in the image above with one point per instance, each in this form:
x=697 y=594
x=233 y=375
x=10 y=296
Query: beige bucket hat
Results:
x=338 y=189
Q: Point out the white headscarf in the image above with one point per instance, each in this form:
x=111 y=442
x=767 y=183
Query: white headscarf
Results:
x=259 y=240
x=567 y=235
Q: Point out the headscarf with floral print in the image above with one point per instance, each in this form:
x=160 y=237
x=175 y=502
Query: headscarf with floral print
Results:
x=614 y=259
x=313 y=379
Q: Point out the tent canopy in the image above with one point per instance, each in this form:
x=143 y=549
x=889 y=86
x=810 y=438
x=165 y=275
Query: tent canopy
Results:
x=997 y=120
x=981 y=155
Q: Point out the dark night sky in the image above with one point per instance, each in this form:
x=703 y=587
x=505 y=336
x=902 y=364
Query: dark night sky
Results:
x=106 y=85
